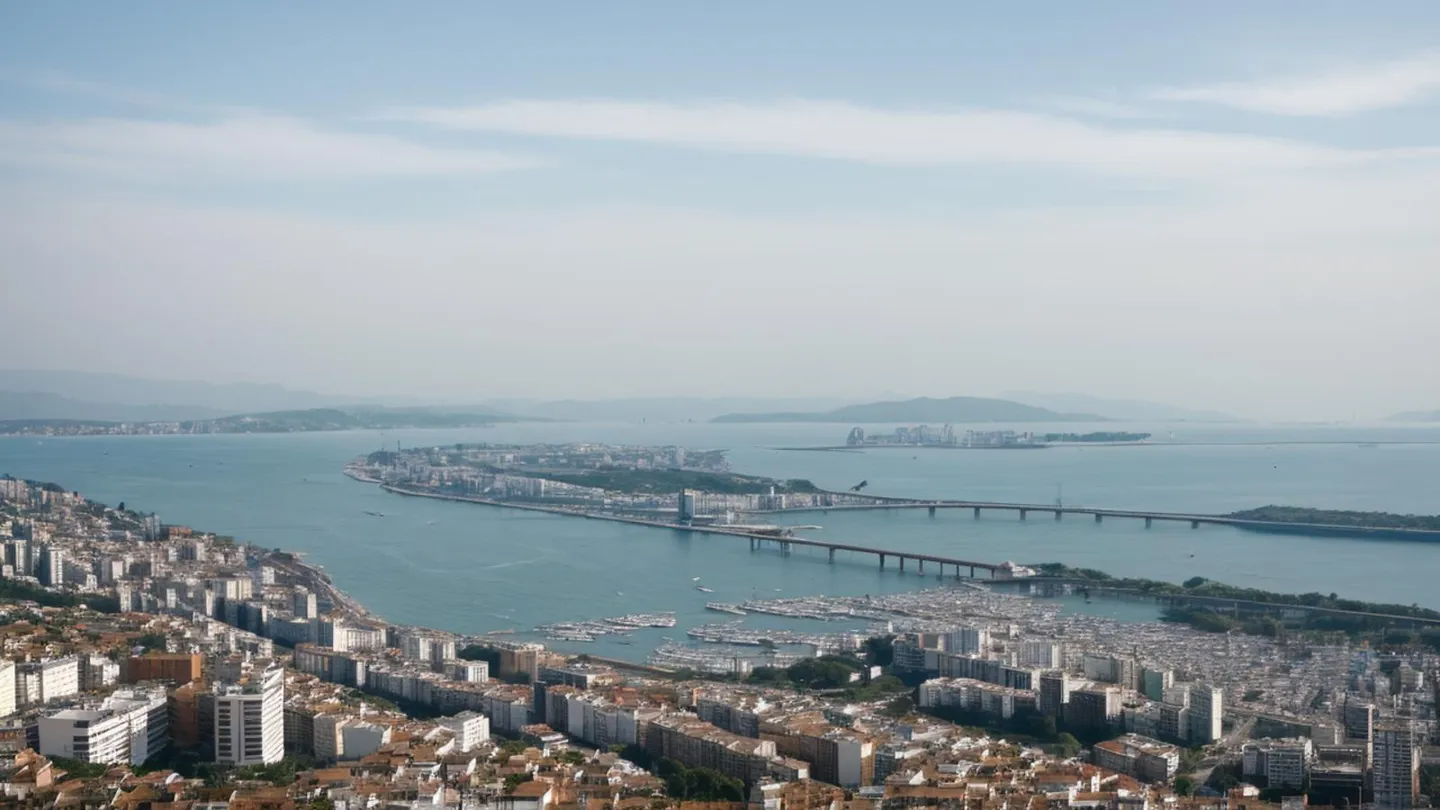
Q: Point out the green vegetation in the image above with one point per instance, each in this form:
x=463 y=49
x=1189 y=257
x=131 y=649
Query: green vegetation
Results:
x=1198 y=586
x=15 y=590
x=670 y=481
x=515 y=780
x=1338 y=517
x=77 y=769
x=699 y=784
x=1028 y=725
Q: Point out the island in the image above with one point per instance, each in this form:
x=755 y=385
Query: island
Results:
x=958 y=410
x=1304 y=517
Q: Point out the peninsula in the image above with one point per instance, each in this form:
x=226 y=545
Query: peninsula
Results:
x=298 y=421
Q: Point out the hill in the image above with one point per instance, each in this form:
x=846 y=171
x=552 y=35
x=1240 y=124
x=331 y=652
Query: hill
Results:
x=1130 y=410
x=119 y=389
x=952 y=410
x=47 y=405
x=1415 y=416
x=654 y=409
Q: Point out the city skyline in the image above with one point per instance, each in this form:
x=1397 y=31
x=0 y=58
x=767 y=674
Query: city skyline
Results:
x=1217 y=208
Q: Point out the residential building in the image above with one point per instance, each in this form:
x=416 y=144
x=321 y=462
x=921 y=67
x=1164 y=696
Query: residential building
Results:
x=1040 y=654
x=967 y=640
x=39 y=682
x=1154 y=682
x=697 y=744
x=1054 y=693
x=250 y=719
x=1094 y=708
x=1206 y=708
x=129 y=727
x=1396 y=775
x=178 y=668
x=7 y=688
x=1144 y=758
x=1278 y=763
x=471 y=729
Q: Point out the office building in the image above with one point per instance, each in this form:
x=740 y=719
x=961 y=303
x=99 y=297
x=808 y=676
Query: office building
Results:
x=250 y=719
x=1396 y=774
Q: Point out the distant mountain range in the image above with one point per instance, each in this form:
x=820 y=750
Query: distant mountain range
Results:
x=954 y=410
x=87 y=395
x=656 y=409
x=1415 y=416
x=1127 y=410
x=46 y=405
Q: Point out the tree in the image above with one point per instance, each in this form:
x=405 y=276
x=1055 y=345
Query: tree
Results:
x=1067 y=745
x=1184 y=785
x=880 y=651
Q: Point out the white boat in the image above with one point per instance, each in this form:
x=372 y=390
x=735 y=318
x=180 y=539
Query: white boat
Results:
x=704 y=589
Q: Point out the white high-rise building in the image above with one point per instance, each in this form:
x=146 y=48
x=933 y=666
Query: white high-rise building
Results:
x=250 y=719
x=1206 y=713
x=1397 y=767
x=129 y=727
x=7 y=688
x=1040 y=655
x=967 y=640
x=471 y=729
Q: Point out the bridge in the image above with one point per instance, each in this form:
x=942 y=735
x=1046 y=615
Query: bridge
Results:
x=787 y=544
x=1024 y=510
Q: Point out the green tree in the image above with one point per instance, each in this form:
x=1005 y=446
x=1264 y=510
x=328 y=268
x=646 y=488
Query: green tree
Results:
x=1184 y=785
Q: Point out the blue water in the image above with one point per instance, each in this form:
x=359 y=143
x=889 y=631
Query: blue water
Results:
x=469 y=568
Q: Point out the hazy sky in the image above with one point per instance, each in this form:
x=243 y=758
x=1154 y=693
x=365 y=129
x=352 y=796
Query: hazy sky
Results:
x=1229 y=205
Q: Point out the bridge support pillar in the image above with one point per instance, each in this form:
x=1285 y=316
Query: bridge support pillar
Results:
x=785 y=547
x=832 y=556
x=1099 y=518
x=977 y=512
x=1194 y=524
x=932 y=511
x=922 y=565
x=1023 y=513
x=1148 y=522
x=972 y=571
x=1058 y=513
x=902 y=564
x=752 y=544
x=882 y=560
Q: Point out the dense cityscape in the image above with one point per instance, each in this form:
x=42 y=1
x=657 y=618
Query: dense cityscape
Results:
x=227 y=669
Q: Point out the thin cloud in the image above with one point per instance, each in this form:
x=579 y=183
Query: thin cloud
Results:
x=842 y=131
x=242 y=146
x=66 y=85
x=1362 y=89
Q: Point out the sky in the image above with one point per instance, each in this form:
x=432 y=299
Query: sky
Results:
x=1224 y=205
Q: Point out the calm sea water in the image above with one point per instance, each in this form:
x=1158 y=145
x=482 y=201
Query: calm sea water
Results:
x=470 y=568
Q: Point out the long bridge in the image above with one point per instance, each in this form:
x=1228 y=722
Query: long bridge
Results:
x=786 y=544
x=1023 y=510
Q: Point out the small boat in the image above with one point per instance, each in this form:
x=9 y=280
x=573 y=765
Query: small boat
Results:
x=694 y=579
x=374 y=514
x=704 y=589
